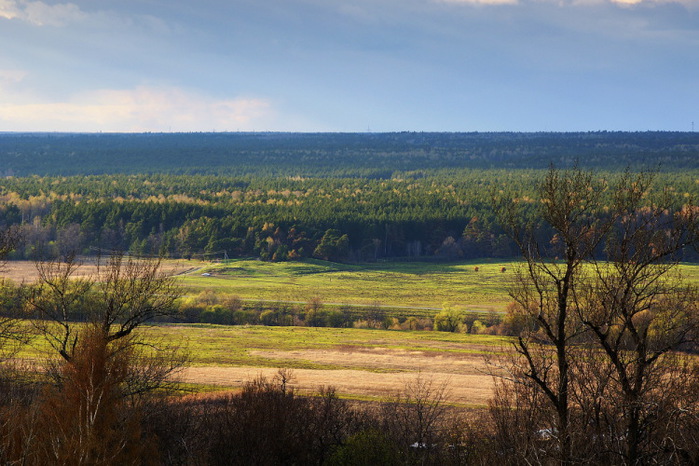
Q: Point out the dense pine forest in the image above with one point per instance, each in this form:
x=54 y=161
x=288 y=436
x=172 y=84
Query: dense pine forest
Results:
x=282 y=196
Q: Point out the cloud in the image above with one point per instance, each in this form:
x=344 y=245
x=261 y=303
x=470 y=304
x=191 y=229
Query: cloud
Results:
x=686 y=3
x=627 y=3
x=9 y=9
x=40 y=13
x=140 y=109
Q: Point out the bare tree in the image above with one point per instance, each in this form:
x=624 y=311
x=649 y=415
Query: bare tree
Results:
x=414 y=418
x=85 y=419
x=123 y=294
x=572 y=207
x=605 y=312
x=94 y=410
x=13 y=331
x=9 y=239
x=57 y=301
x=639 y=310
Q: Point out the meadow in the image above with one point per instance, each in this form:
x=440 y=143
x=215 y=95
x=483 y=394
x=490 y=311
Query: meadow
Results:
x=420 y=286
x=365 y=364
x=478 y=285
x=424 y=287
x=427 y=286
x=360 y=364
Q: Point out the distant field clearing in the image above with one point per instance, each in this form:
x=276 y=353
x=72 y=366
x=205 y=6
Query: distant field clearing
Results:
x=472 y=390
x=470 y=285
x=360 y=363
x=480 y=285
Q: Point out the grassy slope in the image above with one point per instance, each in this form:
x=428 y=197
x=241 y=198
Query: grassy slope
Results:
x=399 y=284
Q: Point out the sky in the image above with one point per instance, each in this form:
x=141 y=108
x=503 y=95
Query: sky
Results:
x=349 y=65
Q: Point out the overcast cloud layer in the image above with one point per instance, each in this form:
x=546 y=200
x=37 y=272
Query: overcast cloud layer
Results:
x=353 y=65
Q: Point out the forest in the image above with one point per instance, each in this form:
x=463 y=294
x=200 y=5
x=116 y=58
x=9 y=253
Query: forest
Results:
x=285 y=196
x=347 y=155
x=598 y=357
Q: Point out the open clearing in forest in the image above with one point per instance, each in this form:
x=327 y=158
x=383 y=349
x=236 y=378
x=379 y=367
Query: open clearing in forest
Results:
x=468 y=285
x=413 y=285
x=473 y=285
x=427 y=285
x=359 y=363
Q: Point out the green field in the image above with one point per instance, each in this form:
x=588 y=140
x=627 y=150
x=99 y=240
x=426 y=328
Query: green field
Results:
x=396 y=284
x=363 y=364
x=415 y=285
x=220 y=345
x=234 y=345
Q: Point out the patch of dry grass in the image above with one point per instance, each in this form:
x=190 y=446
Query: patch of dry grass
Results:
x=464 y=389
x=25 y=271
x=359 y=363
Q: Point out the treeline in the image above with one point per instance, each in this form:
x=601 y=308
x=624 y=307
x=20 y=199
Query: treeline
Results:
x=439 y=216
x=224 y=309
x=365 y=155
x=282 y=196
x=210 y=307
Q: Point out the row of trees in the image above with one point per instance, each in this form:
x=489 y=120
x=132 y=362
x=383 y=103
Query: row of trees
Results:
x=216 y=308
x=186 y=216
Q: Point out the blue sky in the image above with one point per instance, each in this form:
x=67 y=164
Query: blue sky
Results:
x=353 y=65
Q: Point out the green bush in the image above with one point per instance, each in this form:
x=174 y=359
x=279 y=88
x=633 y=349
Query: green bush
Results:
x=448 y=320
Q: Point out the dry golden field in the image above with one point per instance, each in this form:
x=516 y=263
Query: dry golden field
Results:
x=464 y=389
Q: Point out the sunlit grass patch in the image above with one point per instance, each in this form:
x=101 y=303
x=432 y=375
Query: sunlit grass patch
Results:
x=240 y=345
x=470 y=285
x=400 y=284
